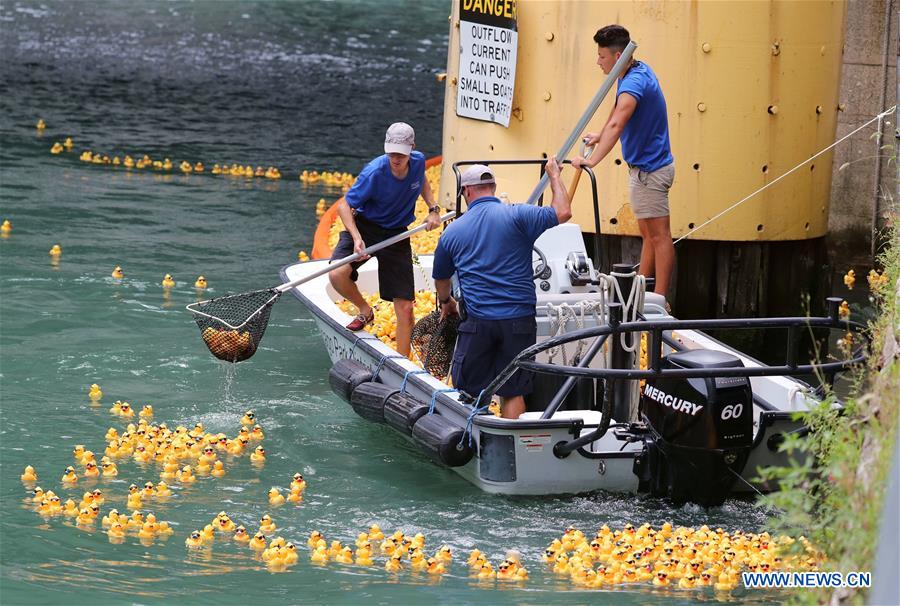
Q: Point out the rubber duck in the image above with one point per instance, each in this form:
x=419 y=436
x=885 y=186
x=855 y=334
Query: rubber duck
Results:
x=186 y=167
x=146 y=412
x=117 y=273
x=394 y=563
x=850 y=279
x=364 y=556
x=375 y=533
x=417 y=560
x=256 y=433
x=147 y=492
x=84 y=517
x=69 y=477
x=70 y=508
x=41 y=125
x=6 y=227
x=444 y=554
x=302 y=256
x=225 y=523
x=125 y=410
x=299 y=484
x=726 y=582
x=258 y=455
x=319 y=555
x=29 y=475
x=91 y=470
x=295 y=496
x=275 y=497
x=507 y=570
x=186 y=475
x=167 y=281
x=57 y=148
x=167 y=164
x=240 y=535
x=116 y=532
x=258 y=542
x=97 y=497
x=661 y=578
x=688 y=581
x=266 y=524
x=200 y=283
x=218 y=469
x=55 y=250
x=314 y=537
x=194 y=541
x=486 y=571
x=435 y=566
x=162 y=490
x=336 y=549
x=148 y=530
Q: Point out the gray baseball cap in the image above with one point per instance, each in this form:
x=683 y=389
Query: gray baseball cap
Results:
x=399 y=139
x=477 y=174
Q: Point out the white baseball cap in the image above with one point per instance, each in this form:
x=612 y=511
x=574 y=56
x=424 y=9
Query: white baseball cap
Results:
x=399 y=139
x=477 y=174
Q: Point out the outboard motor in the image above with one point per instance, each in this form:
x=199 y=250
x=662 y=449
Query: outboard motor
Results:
x=700 y=430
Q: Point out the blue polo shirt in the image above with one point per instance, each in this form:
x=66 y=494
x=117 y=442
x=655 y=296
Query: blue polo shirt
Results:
x=645 y=138
x=490 y=247
x=384 y=199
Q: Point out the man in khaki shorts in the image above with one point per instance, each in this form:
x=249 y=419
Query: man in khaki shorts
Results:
x=639 y=119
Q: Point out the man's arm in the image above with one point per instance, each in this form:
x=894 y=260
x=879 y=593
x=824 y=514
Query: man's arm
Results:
x=561 y=203
x=448 y=303
x=606 y=140
x=434 y=217
x=346 y=214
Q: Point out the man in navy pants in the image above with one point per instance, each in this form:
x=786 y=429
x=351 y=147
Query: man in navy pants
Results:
x=489 y=247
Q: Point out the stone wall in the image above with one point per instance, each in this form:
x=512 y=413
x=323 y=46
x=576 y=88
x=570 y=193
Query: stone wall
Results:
x=867 y=87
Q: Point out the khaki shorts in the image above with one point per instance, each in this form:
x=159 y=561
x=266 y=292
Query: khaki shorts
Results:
x=650 y=191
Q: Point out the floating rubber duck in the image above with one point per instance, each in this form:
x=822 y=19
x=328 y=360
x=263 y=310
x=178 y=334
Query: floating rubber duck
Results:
x=258 y=542
x=198 y=167
x=167 y=281
x=364 y=556
x=6 y=227
x=661 y=578
x=444 y=554
x=850 y=279
x=84 y=517
x=225 y=523
x=295 y=496
x=249 y=418
x=116 y=533
x=95 y=393
x=218 y=469
x=148 y=530
x=146 y=412
x=29 y=475
x=375 y=533
x=267 y=524
x=57 y=148
x=70 y=508
x=38 y=495
x=208 y=534
x=486 y=571
x=302 y=256
x=299 y=484
x=258 y=455
x=91 y=470
x=128 y=162
x=163 y=490
x=240 y=535
x=41 y=125
x=167 y=164
x=343 y=555
x=726 y=582
x=69 y=477
x=194 y=541
x=186 y=167
x=319 y=555
x=55 y=250
x=314 y=537
x=186 y=475
x=200 y=282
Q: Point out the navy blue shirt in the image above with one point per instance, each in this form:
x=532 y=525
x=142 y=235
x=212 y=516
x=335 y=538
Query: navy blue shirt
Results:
x=384 y=199
x=645 y=138
x=490 y=247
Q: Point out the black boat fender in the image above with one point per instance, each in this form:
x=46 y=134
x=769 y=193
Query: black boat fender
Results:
x=368 y=400
x=401 y=411
x=442 y=440
x=345 y=376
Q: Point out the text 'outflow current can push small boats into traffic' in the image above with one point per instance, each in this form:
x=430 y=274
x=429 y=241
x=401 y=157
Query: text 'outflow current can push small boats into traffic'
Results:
x=695 y=424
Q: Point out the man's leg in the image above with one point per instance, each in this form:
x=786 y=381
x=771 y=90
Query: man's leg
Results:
x=648 y=258
x=403 y=309
x=346 y=287
x=512 y=407
x=663 y=251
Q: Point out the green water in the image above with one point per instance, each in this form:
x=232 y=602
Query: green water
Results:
x=295 y=85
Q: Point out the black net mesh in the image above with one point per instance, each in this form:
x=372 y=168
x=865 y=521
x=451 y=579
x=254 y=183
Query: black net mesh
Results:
x=434 y=340
x=237 y=324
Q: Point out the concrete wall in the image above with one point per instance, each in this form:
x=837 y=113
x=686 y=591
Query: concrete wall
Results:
x=868 y=86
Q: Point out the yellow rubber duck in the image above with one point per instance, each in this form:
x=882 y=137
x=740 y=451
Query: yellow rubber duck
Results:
x=256 y=433
x=299 y=484
x=163 y=490
x=726 y=582
x=125 y=410
x=295 y=496
x=68 y=143
x=148 y=492
x=6 y=227
x=186 y=167
x=850 y=279
x=167 y=281
x=148 y=530
x=186 y=475
x=95 y=393
x=364 y=556
x=195 y=541
x=198 y=167
x=200 y=282
x=167 y=164
x=69 y=477
x=84 y=517
x=41 y=125
x=240 y=535
x=249 y=418
x=91 y=470
x=267 y=524
x=29 y=475
x=343 y=555
x=128 y=162
x=444 y=554
x=57 y=148
x=225 y=523
x=314 y=537
x=258 y=455
x=302 y=256
x=375 y=533
x=55 y=250
x=258 y=542
x=218 y=469
x=394 y=563
x=116 y=532
x=70 y=509
x=486 y=571
x=688 y=581
x=289 y=554
x=319 y=555
x=208 y=534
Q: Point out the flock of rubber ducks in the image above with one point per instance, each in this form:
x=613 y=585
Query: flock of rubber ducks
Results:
x=332 y=179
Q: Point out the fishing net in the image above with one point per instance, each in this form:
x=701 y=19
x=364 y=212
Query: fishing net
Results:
x=433 y=340
x=232 y=326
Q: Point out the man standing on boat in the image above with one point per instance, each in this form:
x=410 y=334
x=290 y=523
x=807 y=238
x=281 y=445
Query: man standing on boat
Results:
x=639 y=119
x=381 y=204
x=490 y=250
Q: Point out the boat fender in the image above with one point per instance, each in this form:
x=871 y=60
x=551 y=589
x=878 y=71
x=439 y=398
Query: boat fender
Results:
x=345 y=375
x=401 y=411
x=442 y=440
x=368 y=400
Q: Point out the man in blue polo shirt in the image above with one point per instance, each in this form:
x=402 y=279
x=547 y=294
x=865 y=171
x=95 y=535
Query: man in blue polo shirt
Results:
x=381 y=204
x=639 y=119
x=489 y=248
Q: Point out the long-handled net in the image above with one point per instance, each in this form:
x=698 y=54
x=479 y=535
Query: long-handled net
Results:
x=232 y=326
x=433 y=340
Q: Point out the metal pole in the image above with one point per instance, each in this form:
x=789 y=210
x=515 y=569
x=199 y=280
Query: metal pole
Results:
x=617 y=71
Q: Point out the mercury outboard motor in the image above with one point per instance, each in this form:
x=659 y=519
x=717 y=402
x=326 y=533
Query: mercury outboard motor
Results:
x=700 y=430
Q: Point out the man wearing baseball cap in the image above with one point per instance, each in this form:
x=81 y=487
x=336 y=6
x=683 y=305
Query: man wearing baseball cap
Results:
x=381 y=204
x=489 y=248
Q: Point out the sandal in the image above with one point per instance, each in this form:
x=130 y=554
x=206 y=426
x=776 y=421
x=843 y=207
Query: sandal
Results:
x=361 y=321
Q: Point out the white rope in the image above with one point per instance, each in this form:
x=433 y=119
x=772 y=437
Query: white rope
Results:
x=878 y=118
